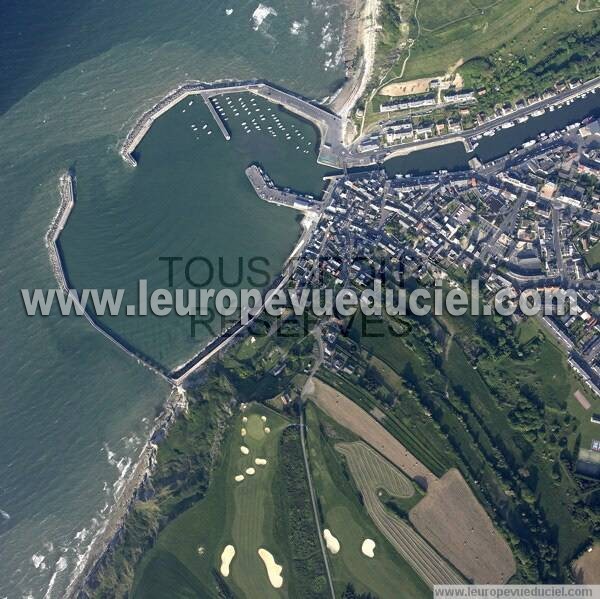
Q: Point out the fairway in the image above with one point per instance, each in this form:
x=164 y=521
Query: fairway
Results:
x=187 y=555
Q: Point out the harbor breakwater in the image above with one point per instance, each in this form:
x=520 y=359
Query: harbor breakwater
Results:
x=331 y=147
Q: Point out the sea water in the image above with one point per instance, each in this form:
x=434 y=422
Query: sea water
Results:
x=74 y=409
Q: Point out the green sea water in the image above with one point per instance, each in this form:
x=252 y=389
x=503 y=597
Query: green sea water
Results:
x=74 y=409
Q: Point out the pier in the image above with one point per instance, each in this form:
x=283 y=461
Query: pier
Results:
x=266 y=190
x=217 y=117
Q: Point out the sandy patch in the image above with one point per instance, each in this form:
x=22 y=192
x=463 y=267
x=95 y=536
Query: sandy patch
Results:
x=580 y=397
x=250 y=471
x=244 y=419
x=226 y=557
x=273 y=568
x=267 y=429
x=260 y=462
x=239 y=478
x=243 y=432
x=368 y=547
x=333 y=545
x=407 y=88
x=244 y=449
x=263 y=418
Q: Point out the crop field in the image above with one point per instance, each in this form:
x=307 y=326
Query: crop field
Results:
x=357 y=420
x=186 y=560
x=387 y=575
x=371 y=473
x=453 y=521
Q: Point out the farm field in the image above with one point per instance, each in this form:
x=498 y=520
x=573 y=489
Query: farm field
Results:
x=387 y=575
x=503 y=397
x=355 y=419
x=186 y=560
x=451 y=519
x=371 y=473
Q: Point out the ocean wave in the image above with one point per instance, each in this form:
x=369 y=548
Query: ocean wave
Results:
x=5 y=515
x=38 y=561
x=260 y=14
x=60 y=566
x=298 y=27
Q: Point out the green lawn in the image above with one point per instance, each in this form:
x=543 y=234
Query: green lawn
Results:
x=592 y=256
x=387 y=575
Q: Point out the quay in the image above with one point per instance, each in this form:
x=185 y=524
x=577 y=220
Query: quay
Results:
x=266 y=190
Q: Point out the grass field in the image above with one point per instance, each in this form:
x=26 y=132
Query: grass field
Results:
x=592 y=256
x=510 y=48
x=432 y=17
x=387 y=575
x=187 y=553
x=509 y=28
x=503 y=398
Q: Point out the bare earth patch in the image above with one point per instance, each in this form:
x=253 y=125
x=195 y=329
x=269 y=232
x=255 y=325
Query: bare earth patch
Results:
x=407 y=88
x=361 y=423
x=453 y=521
x=587 y=568
x=580 y=397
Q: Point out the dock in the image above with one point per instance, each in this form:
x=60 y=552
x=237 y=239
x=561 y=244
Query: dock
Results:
x=266 y=190
x=217 y=117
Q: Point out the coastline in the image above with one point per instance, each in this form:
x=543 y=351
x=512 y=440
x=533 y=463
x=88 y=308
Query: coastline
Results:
x=175 y=404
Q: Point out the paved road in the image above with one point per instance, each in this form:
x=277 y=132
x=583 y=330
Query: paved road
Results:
x=366 y=158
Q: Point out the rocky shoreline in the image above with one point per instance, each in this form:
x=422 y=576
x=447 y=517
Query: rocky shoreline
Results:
x=109 y=535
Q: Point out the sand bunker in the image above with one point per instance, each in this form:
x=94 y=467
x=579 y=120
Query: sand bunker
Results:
x=260 y=462
x=250 y=471
x=244 y=449
x=332 y=543
x=263 y=418
x=239 y=478
x=267 y=429
x=245 y=419
x=243 y=432
x=226 y=558
x=368 y=547
x=273 y=568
